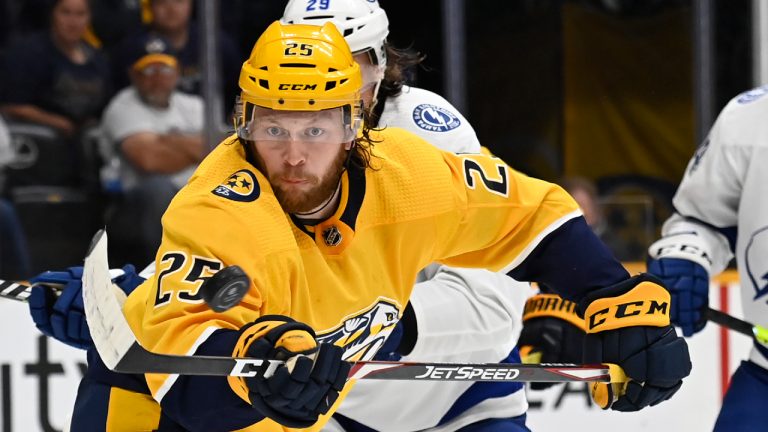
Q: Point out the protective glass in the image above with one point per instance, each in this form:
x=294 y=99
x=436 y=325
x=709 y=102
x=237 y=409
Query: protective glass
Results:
x=334 y=125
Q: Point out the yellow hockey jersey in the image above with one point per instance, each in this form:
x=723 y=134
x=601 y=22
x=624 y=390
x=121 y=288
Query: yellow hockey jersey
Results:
x=350 y=276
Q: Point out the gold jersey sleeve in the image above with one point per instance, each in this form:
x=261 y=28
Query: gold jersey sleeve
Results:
x=482 y=212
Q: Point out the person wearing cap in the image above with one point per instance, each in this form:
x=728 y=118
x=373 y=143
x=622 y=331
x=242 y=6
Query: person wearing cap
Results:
x=154 y=141
x=172 y=20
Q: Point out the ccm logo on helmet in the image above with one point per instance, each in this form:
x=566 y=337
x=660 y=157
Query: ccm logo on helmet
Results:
x=627 y=310
x=297 y=86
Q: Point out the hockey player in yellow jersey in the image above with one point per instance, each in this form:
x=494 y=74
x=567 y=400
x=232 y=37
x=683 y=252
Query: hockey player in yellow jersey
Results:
x=332 y=222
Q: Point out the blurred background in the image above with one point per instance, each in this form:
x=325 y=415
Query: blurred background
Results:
x=614 y=93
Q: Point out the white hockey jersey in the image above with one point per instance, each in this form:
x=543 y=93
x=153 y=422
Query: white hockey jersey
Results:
x=463 y=315
x=431 y=117
x=723 y=197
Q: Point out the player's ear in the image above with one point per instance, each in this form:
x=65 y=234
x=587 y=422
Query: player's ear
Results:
x=348 y=146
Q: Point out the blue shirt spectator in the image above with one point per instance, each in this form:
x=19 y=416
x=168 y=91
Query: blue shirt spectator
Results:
x=55 y=78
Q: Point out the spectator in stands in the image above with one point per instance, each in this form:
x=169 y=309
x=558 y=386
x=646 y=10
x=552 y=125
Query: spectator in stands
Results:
x=55 y=78
x=14 y=257
x=171 y=20
x=585 y=193
x=155 y=133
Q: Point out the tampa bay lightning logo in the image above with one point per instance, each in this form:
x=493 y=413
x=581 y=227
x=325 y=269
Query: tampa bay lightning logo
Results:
x=240 y=186
x=752 y=95
x=755 y=255
x=434 y=118
x=362 y=334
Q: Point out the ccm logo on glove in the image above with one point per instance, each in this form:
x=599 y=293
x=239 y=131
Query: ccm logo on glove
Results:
x=645 y=305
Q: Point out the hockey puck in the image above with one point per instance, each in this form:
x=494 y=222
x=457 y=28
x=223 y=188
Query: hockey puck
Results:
x=225 y=288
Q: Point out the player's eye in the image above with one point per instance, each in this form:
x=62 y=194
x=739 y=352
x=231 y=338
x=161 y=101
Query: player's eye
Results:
x=315 y=132
x=275 y=132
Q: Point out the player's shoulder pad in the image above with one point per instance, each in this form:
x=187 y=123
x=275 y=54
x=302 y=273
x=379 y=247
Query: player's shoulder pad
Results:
x=751 y=95
x=747 y=106
x=742 y=121
x=430 y=111
x=225 y=175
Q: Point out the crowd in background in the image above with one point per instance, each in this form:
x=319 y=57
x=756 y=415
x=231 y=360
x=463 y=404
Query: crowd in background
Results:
x=101 y=120
x=97 y=136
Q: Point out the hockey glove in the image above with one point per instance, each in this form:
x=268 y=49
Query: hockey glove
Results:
x=552 y=332
x=62 y=317
x=303 y=389
x=682 y=263
x=688 y=284
x=628 y=324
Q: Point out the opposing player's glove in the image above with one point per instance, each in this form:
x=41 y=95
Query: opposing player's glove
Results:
x=63 y=317
x=628 y=324
x=681 y=262
x=294 y=396
x=552 y=332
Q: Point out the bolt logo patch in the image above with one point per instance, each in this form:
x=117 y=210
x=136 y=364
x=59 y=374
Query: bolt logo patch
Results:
x=434 y=118
x=752 y=95
x=240 y=186
x=755 y=262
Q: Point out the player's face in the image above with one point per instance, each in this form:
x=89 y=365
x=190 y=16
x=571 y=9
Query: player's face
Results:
x=302 y=153
x=70 y=20
x=171 y=15
x=155 y=83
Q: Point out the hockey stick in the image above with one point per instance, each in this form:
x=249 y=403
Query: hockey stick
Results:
x=14 y=290
x=759 y=333
x=121 y=352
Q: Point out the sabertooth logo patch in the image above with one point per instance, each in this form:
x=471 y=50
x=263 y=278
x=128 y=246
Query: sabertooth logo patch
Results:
x=434 y=118
x=362 y=334
x=240 y=186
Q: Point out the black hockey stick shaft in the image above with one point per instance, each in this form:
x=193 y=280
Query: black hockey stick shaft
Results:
x=760 y=333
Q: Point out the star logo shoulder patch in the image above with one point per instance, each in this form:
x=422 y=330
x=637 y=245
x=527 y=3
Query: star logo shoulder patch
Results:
x=240 y=186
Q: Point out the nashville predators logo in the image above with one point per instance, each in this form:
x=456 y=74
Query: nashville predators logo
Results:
x=365 y=332
x=240 y=186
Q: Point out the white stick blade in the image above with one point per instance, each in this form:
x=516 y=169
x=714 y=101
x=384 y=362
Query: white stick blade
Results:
x=111 y=336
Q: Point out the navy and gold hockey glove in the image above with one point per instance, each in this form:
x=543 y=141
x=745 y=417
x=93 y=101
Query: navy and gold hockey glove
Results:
x=552 y=333
x=303 y=389
x=628 y=324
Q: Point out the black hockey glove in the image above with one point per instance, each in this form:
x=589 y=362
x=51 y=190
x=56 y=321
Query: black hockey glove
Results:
x=628 y=324
x=303 y=389
x=552 y=333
